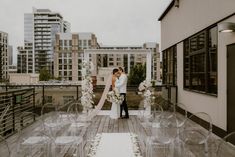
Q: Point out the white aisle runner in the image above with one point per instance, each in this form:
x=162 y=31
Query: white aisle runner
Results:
x=115 y=145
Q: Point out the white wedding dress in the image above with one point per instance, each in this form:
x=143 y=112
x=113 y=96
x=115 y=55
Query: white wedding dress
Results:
x=115 y=111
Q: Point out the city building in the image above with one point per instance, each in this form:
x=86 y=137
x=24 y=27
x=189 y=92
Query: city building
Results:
x=69 y=52
x=16 y=78
x=3 y=56
x=198 y=57
x=40 y=28
x=25 y=58
x=67 y=57
x=10 y=55
x=12 y=69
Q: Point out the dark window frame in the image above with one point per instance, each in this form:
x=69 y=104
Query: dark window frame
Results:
x=208 y=87
x=170 y=62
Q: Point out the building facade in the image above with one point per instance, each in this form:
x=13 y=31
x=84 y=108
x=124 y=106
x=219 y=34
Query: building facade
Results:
x=3 y=56
x=10 y=55
x=69 y=53
x=197 y=58
x=67 y=57
x=25 y=58
x=40 y=28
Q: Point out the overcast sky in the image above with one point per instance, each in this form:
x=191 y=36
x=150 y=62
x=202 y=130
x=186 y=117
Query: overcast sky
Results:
x=115 y=22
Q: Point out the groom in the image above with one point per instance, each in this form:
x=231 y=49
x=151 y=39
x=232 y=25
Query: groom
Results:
x=121 y=85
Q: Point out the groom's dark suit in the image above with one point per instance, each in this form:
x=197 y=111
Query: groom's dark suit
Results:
x=121 y=85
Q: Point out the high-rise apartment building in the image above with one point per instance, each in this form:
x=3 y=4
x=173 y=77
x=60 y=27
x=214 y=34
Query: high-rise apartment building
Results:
x=3 y=56
x=69 y=52
x=40 y=28
x=154 y=47
x=67 y=57
x=25 y=58
x=10 y=55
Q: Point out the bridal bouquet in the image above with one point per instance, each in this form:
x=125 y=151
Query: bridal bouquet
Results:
x=115 y=97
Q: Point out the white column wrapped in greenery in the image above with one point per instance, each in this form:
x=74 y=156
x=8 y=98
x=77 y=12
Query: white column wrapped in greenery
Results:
x=146 y=88
x=87 y=87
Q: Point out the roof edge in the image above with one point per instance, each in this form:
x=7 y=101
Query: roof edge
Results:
x=167 y=10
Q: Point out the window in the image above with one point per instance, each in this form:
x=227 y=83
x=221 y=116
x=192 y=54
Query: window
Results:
x=169 y=66
x=65 y=43
x=89 y=42
x=200 y=62
x=60 y=67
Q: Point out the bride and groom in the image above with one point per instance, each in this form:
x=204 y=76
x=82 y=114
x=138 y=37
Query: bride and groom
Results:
x=119 y=82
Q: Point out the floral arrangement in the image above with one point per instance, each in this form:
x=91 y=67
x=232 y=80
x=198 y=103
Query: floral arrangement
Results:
x=115 y=97
x=136 y=148
x=94 y=145
x=87 y=87
x=87 y=68
x=145 y=88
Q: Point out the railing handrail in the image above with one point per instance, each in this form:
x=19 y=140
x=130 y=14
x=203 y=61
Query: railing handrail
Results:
x=15 y=91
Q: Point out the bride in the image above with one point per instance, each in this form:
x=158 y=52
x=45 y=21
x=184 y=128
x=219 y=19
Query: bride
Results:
x=115 y=109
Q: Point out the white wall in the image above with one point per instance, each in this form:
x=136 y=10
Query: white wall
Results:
x=18 y=78
x=216 y=107
x=191 y=17
x=180 y=23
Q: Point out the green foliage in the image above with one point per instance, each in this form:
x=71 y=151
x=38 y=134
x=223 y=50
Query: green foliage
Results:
x=44 y=75
x=137 y=74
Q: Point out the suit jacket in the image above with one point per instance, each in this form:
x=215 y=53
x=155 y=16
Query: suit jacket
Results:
x=121 y=83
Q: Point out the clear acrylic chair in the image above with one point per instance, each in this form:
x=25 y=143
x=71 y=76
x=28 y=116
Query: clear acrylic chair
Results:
x=200 y=132
x=34 y=143
x=71 y=142
x=181 y=114
x=52 y=122
x=163 y=134
x=227 y=146
x=188 y=143
x=5 y=149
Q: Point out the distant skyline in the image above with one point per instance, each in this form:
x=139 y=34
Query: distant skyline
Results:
x=115 y=22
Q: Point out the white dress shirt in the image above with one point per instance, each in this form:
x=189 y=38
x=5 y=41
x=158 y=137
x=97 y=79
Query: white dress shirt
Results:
x=121 y=83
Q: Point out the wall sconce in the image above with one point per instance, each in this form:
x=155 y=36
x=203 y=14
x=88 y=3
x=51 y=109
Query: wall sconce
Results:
x=177 y=3
x=226 y=27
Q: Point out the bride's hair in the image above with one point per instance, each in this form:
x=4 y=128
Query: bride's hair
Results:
x=115 y=70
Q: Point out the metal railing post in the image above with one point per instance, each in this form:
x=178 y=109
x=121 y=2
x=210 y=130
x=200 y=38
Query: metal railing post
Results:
x=34 y=107
x=43 y=95
x=77 y=91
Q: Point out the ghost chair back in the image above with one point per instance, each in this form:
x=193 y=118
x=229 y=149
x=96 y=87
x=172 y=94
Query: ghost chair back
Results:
x=227 y=146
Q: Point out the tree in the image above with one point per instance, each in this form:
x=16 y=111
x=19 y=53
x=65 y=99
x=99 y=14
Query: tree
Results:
x=44 y=75
x=137 y=74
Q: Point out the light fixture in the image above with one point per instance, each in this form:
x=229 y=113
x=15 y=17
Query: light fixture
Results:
x=177 y=3
x=226 y=27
